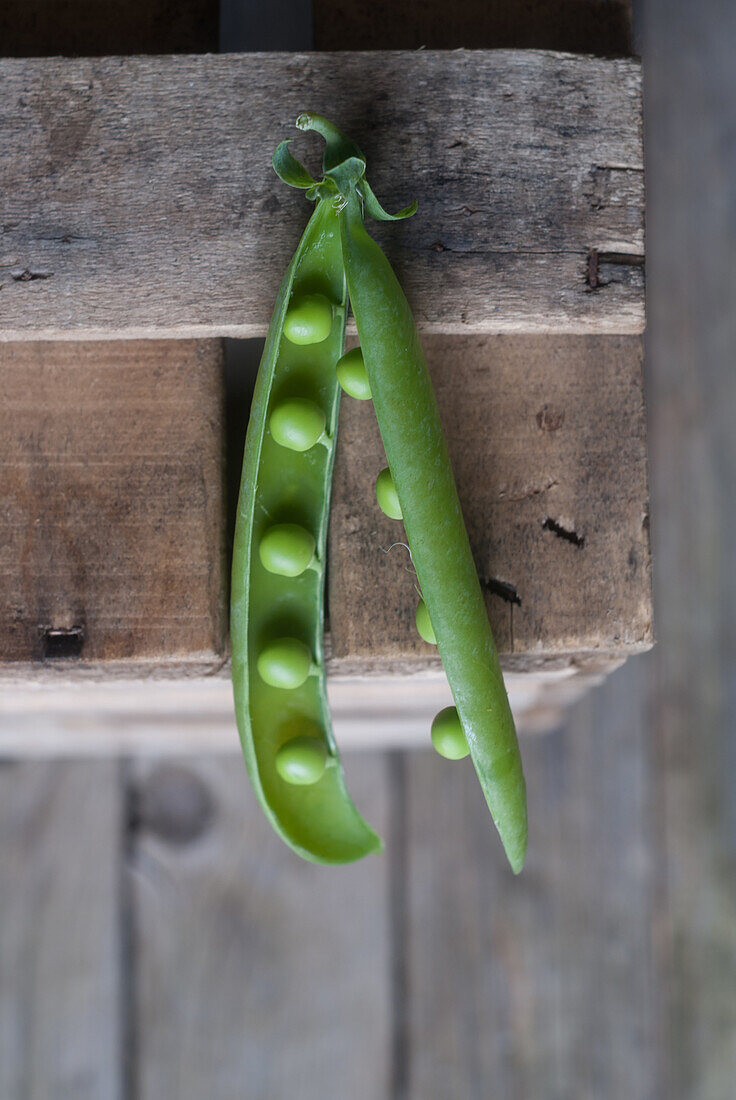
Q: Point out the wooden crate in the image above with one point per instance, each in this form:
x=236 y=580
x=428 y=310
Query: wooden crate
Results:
x=139 y=203
x=547 y=440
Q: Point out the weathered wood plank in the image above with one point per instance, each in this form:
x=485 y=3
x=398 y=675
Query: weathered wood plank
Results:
x=541 y=985
x=67 y=717
x=138 y=198
x=692 y=386
x=112 y=532
x=548 y=444
x=258 y=974
x=60 y=955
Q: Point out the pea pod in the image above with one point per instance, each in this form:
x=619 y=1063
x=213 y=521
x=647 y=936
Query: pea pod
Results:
x=277 y=594
x=421 y=474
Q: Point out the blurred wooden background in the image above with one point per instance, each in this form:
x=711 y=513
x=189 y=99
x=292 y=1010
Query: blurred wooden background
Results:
x=157 y=940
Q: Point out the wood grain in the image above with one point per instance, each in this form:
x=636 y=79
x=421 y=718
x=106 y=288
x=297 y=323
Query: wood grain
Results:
x=541 y=985
x=548 y=444
x=60 y=952
x=111 y=478
x=258 y=974
x=138 y=198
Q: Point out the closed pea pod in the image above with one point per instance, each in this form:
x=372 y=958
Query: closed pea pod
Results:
x=421 y=475
x=278 y=577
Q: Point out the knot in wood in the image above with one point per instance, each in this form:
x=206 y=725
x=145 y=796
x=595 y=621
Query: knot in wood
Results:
x=175 y=805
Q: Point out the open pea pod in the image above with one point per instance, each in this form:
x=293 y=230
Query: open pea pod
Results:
x=419 y=487
x=278 y=575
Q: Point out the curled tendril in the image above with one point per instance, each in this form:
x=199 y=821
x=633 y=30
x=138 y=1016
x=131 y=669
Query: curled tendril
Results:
x=343 y=166
x=411 y=559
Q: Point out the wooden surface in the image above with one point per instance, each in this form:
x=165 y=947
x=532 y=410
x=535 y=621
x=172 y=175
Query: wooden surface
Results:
x=115 y=224
x=608 y=969
x=286 y=997
x=540 y=986
x=114 y=523
x=691 y=343
x=66 y=715
x=548 y=444
x=112 y=528
x=60 y=953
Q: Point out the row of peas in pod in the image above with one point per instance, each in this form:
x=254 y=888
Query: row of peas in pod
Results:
x=447 y=732
x=288 y=549
x=277 y=592
x=280 y=536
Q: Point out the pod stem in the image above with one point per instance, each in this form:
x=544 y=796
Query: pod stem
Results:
x=338 y=147
x=343 y=163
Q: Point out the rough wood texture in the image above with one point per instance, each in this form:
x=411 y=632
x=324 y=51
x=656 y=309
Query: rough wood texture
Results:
x=547 y=441
x=60 y=961
x=258 y=974
x=112 y=533
x=139 y=200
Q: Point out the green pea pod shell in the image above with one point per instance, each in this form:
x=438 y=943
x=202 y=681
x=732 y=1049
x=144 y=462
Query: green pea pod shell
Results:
x=411 y=430
x=318 y=820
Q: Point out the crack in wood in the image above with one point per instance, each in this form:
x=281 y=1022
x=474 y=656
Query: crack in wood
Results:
x=528 y=491
x=505 y=591
x=564 y=532
x=29 y=276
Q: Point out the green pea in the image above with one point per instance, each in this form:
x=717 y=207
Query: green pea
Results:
x=286 y=549
x=424 y=626
x=352 y=375
x=308 y=319
x=297 y=424
x=302 y=760
x=386 y=495
x=448 y=736
x=285 y=663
